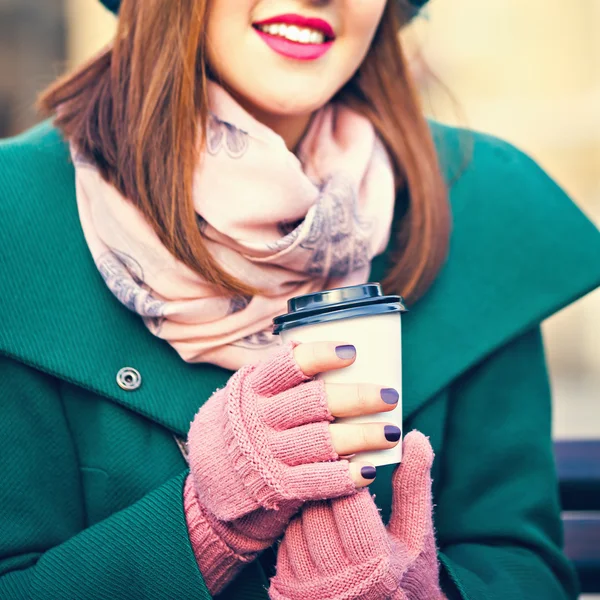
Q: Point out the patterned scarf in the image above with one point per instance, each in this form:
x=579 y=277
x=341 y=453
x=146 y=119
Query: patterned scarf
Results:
x=285 y=224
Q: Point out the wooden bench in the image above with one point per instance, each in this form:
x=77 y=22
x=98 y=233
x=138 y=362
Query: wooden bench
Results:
x=578 y=466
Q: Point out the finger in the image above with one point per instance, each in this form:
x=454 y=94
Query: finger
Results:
x=320 y=357
x=285 y=564
x=412 y=506
x=359 y=526
x=322 y=537
x=305 y=403
x=306 y=444
x=350 y=438
x=325 y=480
x=362 y=473
x=278 y=373
x=346 y=400
x=296 y=559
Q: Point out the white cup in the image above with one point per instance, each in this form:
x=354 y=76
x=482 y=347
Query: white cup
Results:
x=362 y=316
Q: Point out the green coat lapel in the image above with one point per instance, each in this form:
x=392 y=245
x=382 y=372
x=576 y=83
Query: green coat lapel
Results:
x=520 y=251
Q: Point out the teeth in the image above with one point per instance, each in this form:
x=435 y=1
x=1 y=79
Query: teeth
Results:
x=294 y=33
x=304 y=35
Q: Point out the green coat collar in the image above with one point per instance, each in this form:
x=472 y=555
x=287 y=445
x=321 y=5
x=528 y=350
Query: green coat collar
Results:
x=520 y=251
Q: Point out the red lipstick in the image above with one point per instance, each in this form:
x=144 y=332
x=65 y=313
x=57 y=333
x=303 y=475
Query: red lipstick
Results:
x=297 y=50
x=300 y=21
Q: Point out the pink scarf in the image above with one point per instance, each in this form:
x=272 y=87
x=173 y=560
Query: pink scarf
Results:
x=286 y=225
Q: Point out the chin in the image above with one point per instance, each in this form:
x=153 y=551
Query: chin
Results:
x=289 y=103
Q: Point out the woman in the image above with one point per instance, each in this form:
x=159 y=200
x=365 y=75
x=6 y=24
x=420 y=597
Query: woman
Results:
x=220 y=157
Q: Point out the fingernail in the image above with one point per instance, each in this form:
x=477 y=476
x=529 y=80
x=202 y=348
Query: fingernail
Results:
x=390 y=395
x=392 y=433
x=368 y=472
x=345 y=352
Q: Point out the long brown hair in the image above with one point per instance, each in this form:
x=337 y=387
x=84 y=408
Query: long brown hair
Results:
x=133 y=110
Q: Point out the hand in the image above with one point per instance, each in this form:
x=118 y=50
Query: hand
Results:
x=340 y=549
x=266 y=439
x=265 y=443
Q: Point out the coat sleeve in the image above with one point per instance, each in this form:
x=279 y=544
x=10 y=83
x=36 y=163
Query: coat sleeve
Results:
x=46 y=551
x=498 y=514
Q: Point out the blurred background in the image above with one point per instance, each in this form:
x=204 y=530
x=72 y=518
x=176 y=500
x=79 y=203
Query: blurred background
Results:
x=527 y=71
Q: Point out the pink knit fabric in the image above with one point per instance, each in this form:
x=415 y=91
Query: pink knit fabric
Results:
x=341 y=550
x=217 y=561
x=258 y=449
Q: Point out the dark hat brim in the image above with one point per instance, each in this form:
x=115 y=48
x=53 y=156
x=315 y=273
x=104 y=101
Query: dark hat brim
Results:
x=112 y=5
x=416 y=5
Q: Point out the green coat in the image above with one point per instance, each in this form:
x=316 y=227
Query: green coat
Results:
x=91 y=476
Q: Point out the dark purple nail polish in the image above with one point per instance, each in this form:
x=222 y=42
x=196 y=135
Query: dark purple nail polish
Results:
x=392 y=433
x=345 y=352
x=368 y=472
x=390 y=395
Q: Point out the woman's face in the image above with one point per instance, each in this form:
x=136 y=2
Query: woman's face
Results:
x=307 y=50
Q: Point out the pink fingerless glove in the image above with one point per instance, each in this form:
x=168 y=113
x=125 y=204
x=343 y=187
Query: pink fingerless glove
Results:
x=258 y=449
x=341 y=550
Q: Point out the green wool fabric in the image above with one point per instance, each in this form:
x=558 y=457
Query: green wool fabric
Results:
x=91 y=475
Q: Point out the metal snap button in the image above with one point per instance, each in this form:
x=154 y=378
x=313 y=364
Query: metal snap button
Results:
x=129 y=379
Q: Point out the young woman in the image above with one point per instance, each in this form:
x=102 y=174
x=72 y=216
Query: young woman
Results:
x=157 y=441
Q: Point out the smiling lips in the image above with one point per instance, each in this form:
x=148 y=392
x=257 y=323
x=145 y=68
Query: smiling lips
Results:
x=295 y=36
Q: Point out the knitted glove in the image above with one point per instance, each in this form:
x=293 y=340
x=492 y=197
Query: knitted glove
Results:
x=258 y=449
x=341 y=550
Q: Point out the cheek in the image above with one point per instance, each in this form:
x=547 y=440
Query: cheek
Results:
x=360 y=24
x=227 y=30
x=362 y=21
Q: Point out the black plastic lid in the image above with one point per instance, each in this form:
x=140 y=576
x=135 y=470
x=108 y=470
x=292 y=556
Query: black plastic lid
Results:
x=340 y=303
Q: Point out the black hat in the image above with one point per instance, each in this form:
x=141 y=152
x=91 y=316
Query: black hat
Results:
x=112 y=5
x=416 y=5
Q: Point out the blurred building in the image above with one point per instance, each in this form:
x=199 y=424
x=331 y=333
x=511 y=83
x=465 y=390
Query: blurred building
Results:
x=32 y=49
x=528 y=72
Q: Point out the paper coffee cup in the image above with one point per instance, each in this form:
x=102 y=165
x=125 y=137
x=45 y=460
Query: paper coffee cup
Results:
x=360 y=315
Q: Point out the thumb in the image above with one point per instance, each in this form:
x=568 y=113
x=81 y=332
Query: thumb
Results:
x=412 y=509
